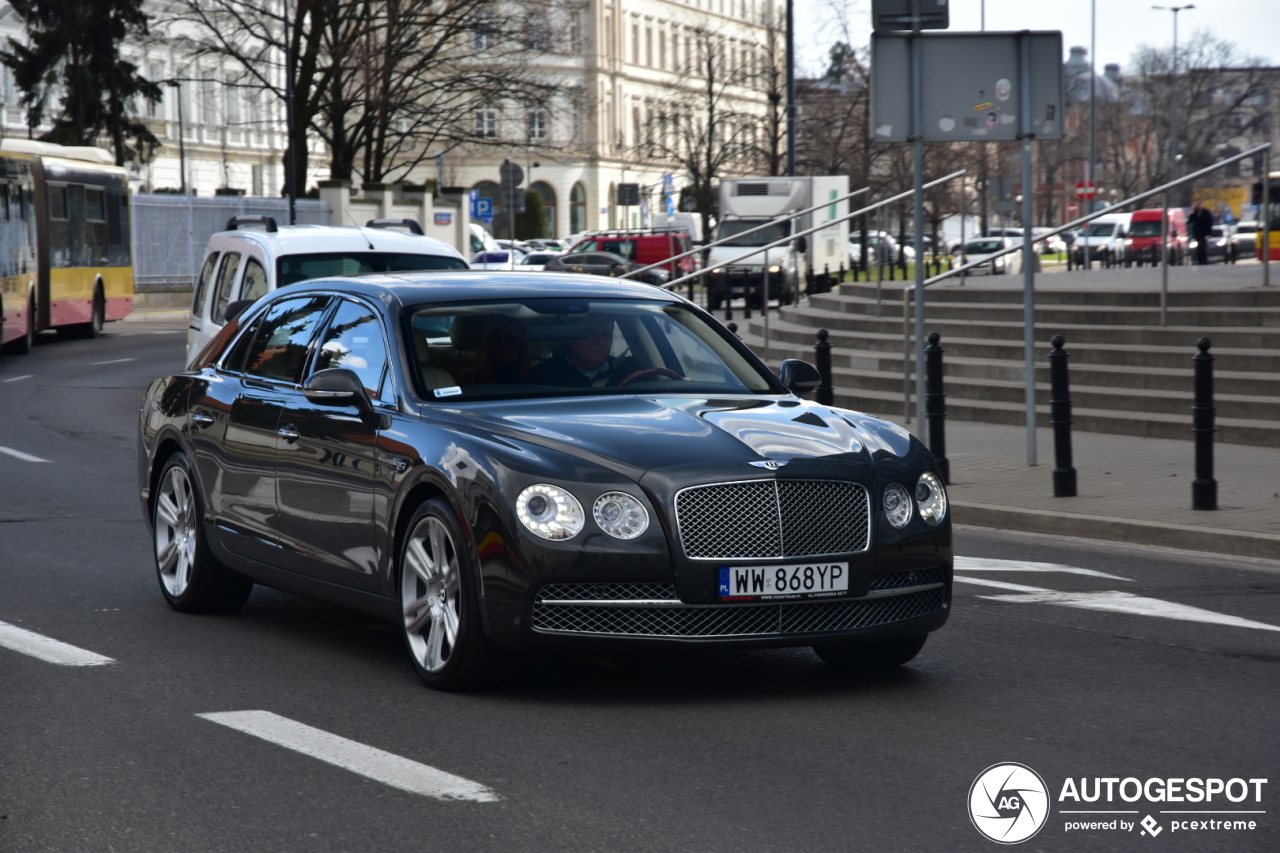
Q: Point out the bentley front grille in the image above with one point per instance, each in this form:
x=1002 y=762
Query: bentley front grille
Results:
x=773 y=519
x=601 y=609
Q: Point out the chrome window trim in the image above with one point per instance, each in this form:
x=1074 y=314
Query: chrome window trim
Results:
x=675 y=508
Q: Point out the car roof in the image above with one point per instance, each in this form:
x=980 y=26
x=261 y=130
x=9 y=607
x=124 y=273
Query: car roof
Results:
x=308 y=239
x=411 y=288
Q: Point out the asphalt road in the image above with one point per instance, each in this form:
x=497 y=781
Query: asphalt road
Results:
x=746 y=751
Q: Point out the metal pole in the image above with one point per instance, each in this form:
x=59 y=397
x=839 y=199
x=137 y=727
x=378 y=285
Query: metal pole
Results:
x=182 y=142
x=1064 y=472
x=1028 y=244
x=1164 y=261
x=1173 y=102
x=1204 y=488
x=906 y=355
x=917 y=127
x=822 y=355
x=936 y=406
x=1093 y=96
x=1266 y=218
x=290 y=181
x=791 y=88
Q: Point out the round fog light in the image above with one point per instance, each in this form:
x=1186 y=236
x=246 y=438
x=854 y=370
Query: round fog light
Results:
x=897 y=505
x=620 y=515
x=931 y=497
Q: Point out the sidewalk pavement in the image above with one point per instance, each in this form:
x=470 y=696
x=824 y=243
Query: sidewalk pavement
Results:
x=1131 y=489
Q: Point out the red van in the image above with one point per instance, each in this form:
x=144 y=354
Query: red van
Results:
x=1144 y=236
x=642 y=247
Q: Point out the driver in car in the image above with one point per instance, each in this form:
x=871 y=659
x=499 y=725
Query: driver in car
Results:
x=585 y=362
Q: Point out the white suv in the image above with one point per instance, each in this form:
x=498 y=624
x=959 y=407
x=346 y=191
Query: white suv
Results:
x=241 y=264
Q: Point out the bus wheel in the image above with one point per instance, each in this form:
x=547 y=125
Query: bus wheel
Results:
x=23 y=345
x=93 y=328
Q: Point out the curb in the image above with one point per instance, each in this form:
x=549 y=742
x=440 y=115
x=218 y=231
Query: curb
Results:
x=155 y=316
x=1238 y=543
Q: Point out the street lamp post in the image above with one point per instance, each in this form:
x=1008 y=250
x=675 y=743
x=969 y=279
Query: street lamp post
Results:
x=791 y=88
x=176 y=83
x=1173 y=91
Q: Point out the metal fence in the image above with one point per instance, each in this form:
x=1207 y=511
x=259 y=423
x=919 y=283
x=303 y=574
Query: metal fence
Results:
x=171 y=231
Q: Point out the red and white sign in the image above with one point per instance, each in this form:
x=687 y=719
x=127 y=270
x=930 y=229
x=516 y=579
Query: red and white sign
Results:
x=1086 y=190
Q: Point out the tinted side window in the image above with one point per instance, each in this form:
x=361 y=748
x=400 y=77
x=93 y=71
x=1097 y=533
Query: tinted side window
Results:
x=255 y=280
x=226 y=275
x=354 y=341
x=202 y=284
x=280 y=348
x=235 y=359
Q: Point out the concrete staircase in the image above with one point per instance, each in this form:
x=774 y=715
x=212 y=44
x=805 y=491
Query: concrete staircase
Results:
x=1129 y=375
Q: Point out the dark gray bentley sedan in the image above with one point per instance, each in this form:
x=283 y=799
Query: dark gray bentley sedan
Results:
x=498 y=461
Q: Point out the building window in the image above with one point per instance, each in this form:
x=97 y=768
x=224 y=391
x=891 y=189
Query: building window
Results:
x=648 y=46
x=232 y=94
x=636 y=125
x=484 y=34
x=577 y=209
x=573 y=34
x=578 y=106
x=635 y=42
x=537 y=121
x=536 y=31
x=662 y=49
x=487 y=123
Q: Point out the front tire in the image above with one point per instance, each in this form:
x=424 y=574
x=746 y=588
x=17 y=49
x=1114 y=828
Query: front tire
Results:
x=879 y=654
x=191 y=579
x=441 y=624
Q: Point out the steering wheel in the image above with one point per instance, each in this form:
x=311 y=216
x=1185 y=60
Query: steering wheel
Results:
x=650 y=371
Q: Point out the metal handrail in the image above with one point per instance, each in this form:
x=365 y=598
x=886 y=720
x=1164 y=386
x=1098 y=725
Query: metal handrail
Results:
x=827 y=224
x=771 y=221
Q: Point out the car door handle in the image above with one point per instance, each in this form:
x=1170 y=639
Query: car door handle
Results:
x=202 y=419
x=289 y=434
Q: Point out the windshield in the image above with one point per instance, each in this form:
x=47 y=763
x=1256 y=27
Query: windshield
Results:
x=536 y=258
x=1101 y=229
x=775 y=231
x=1144 y=228
x=983 y=247
x=561 y=347
x=295 y=268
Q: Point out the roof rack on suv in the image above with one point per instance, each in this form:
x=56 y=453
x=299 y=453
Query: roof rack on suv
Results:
x=410 y=225
x=267 y=222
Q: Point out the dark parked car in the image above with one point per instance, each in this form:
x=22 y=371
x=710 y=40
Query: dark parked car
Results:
x=604 y=263
x=498 y=461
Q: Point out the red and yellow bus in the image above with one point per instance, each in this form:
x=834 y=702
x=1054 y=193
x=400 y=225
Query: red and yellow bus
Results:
x=1272 y=215
x=66 y=249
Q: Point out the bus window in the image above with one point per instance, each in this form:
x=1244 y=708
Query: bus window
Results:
x=226 y=276
x=4 y=202
x=59 y=227
x=95 y=214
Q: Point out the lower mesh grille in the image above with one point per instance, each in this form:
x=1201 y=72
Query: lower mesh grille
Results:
x=726 y=620
x=916 y=577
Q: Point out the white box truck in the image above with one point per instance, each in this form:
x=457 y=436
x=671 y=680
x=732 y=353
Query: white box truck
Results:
x=748 y=202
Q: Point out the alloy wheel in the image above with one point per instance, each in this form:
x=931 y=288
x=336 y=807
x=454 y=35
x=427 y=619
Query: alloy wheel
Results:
x=430 y=594
x=175 y=536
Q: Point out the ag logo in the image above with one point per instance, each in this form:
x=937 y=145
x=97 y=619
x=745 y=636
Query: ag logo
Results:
x=1008 y=803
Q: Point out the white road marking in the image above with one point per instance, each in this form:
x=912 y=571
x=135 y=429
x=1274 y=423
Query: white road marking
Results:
x=979 y=564
x=18 y=454
x=1115 y=602
x=19 y=378
x=366 y=761
x=114 y=361
x=48 y=649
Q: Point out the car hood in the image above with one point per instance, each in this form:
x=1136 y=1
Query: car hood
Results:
x=635 y=434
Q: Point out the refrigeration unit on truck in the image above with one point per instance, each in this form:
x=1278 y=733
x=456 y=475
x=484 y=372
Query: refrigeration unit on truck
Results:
x=748 y=202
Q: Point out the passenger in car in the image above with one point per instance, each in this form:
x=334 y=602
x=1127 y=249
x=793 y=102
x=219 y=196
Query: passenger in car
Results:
x=503 y=354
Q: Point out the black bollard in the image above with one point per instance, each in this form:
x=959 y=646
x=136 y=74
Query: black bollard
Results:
x=676 y=272
x=1204 y=489
x=1064 y=472
x=822 y=355
x=935 y=405
x=728 y=299
x=733 y=327
x=747 y=294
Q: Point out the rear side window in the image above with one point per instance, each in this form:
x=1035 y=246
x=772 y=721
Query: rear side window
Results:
x=226 y=277
x=354 y=341
x=202 y=284
x=255 y=280
x=280 y=348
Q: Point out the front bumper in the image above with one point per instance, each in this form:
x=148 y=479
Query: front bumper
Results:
x=898 y=604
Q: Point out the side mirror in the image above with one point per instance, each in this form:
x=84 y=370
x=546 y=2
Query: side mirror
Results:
x=235 y=309
x=339 y=386
x=800 y=377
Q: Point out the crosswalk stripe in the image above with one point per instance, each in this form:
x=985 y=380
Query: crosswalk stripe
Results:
x=980 y=564
x=367 y=761
x=18 y=454
x=48 y=649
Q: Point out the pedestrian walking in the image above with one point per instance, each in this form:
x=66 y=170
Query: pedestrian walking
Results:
x=1201 y=230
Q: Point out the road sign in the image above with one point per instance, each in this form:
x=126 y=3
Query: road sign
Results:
x=628 y=195
x=511 y=173
x=888 y=15
x=969 y=86
x=511 y=194
x=481 y=208
x=1086 y=190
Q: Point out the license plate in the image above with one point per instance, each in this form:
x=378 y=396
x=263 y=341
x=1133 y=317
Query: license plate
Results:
x=805 y=580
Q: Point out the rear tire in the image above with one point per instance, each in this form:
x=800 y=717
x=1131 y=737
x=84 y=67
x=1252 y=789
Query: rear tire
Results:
x=441 y=624
x=191 y=579
x=93 y=328
x=879 y=654
x=24 y=344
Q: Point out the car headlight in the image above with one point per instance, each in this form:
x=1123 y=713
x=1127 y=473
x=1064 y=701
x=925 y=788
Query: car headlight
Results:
x=775 y=268
x=550 y=512
x=620 y=515
x=717 y=271
x=1128 y=242
x=897 y=505
x=931 y=497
